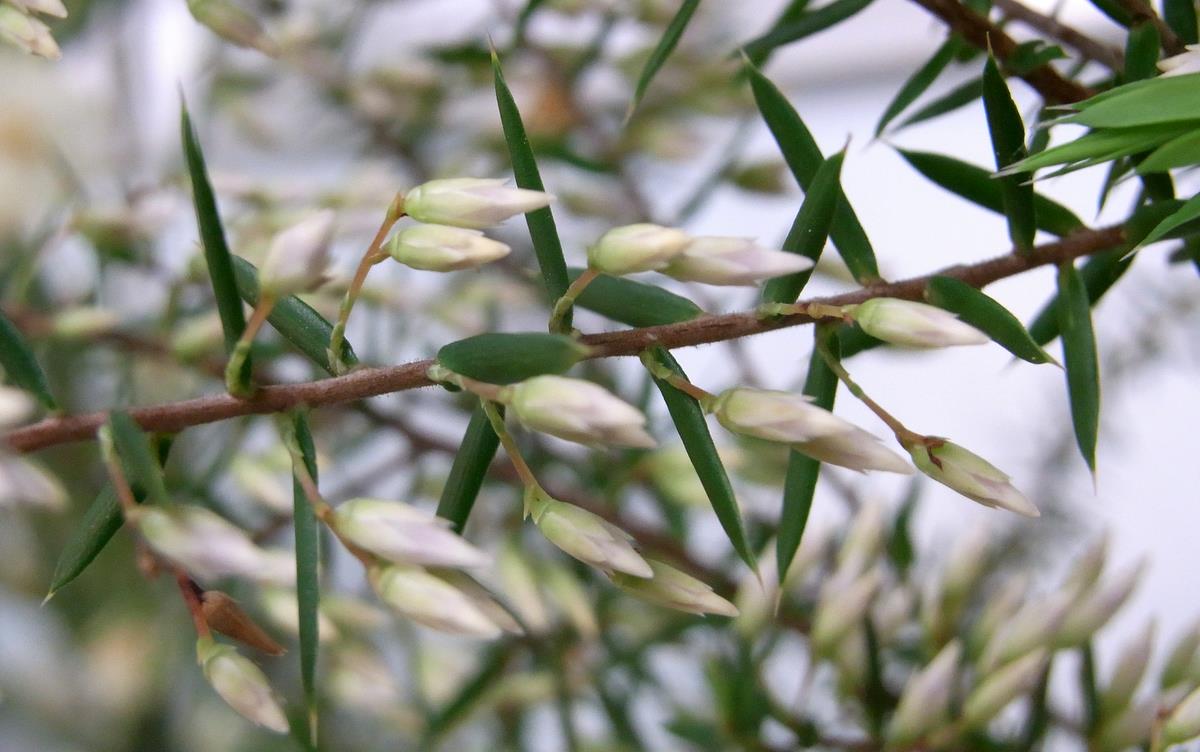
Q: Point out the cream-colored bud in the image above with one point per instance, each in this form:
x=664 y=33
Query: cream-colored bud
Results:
x=430 y=600
x=264 y=484
x=578 y=410
x=404 y=534
x=1094 y=608
x=1001 y=687
x=520 y=586
x=282 y=607
x=1131 y=727
x=840 y=608
x=965 y=564
x=27 y=33
x=298 y=258
x=672 y=588
x=1034 y=626
x=909 y=324
x=636 y=248
x=863 y=542
x=482 y=597
x=82 y=322
x=732 y=261
x=200 y=541
x=1127 y=671
x=473 y=203
x=233 y=24
x=1086 y=568
x=196 y=337
x=569 y=597
x=1184 y=63
x=16 y=406
x=999 y=608
x=586 y=536
x=893 y=611
x=24 y=483
x=925 y=703
x=53 y=8
x=241 y=684
x=854 y=449
x=1183 y=724
x=970 y=475
x=442 y=248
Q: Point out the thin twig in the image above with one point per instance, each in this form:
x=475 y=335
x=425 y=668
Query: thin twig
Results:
x=1141 y=11
x=1087 y=47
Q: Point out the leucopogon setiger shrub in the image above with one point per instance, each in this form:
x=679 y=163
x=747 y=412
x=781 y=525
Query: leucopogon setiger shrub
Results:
x=917 y=656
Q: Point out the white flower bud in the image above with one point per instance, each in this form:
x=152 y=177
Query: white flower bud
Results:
x=636 y=248
x=263 y=484
x=233 y=24
x=404 y=534
x=1000 y=607
x=1178 y=665
x=196 y=337
x=970 y=475
x=672 y=588
x=578 y=410
x=84 y=322
x=520 y=587
x=200 y=541
x=441 y=248
x=965 y=563
x=854 y=449
x=672 y=473
x=28 y=33
x=23 y=483
x=863 y=542
x=1093 y=609
x=1035 y=625
x=45 y=7
x=1183 y=63
x=241 y=684
x=473 y=203
x=1183 y=724
x=282 y=608
x=298 y=258
x=732 y=261
x=840 y=607
x=893 y=611
x=909 y=324
x=924 y=706
x=1086 y=568
x=481 y=597
x=16 y=406
x=1001 y=687
x=586 y=536
x=1127 y=671
x=1129 y=728
x=430 y=600
x=571 y=599
x=276 y=566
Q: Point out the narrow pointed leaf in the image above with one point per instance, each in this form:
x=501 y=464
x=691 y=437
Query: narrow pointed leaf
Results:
x=1170 y=99
x=794 y=29
x=1082 y=365
x=1099 y=273
x=1180 y=15
x=985 y=314
x=1188 y=212
x=1181 y=151
x=1101 y=146
x=505 y=358
x=800 y=482
x=308 y=559
x=803 y=158
x=19 y=365
x=141 y=466
x=692 y=426
x=212 y=238
x=634 y=303
x=958 y=97
x=663 y=50
x=475 y=453
x=809 y=230
x=1008 y=146
x=295 y=320
x=1141 y=52
x=919 y=82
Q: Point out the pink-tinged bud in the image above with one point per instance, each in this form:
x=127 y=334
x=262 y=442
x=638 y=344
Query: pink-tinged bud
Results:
x=473 y=203
x=1130 y=728
x=732 y=261
x=233 y=24
x=1178 y=666
x=405 y=534
x=586 y=536
x=241 y=684
x=1182 y=64
x=24 y=483
x=16 y=406
x=1183 y=724
x=27 y=33
x=840 y=608
x=430 y=600
x=441 y=248
x=1127 y=672
x=1001 y=687
x=636 y=248
x=970 y=475
x=1094 y=608
x=909 y=324
x=298 y=258
x=924 y=706
x=578 y=410
x=1034 y=626
x=672 y=588
x=200 y=541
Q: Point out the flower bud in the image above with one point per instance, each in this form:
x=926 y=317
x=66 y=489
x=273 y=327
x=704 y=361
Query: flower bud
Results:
x=1086 y=568
x=893 y=611
x=282 y=609
x=578 y=410
x=1094 y=608
x=571 y=599
x=223 y=614
x=909 y=324
x=1033 y=626
x=1183 y=724
x=45 y=7
x=924 y=706
x=28 y=33
x=241 y=684
x=262 y=483
x=732 y=261
x=584 y=535
x=23 y=483
x=1178 y=665
x=404 y=534
x=16 y=406
x=1184 y=63
x=441 y=248
x=1129 y=728
x=200 y=541
x=965 y=564
x=999 y=609
x=276 y=566
x=1127 y=672
x=483 y=599
x=298 y=257
x=430 y=600
x=840 y=607
x=84 y=322
x=473 y=203
x=520 y=587
x=863 y=542
x=233 y=24
x=1001 y=687
x=672 y=588
x=196 y=337
x=970 y=475
x=636 y=248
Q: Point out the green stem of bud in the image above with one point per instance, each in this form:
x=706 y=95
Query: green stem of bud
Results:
x=485 y=391
x=902 y=433
x=372 y=256
x=815 y=311
x=237 y=383
x=563 y=305
x=662 y=373
x=510 y=445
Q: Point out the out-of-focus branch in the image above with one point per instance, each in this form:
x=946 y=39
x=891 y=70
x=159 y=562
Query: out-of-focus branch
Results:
x=1141 y=11
x=1087 y=47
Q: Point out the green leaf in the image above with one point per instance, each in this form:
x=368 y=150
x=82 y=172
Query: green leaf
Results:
x=809 y=230
x=919 y=82
x=1181 y=151
x=505 y=358
x=985 y=314
x=794 y=29
x=692 y=426
x=804 y=157
x=20 y=367
x=308 y=561
x=975 y=184
x=1100 y=146
x=800 y=482
x=634 y=303
x=543 y=233
x=100 y=523
x=663 y=50
x=133 y=448
x=900 y=547
x=1171 y=99
x=1180 y=15
x=958 y=97
x=1141 y=52
x=1099 y=273
x=1028 y=56
x=295 y=320
x=1082 y=364
x=212 y=237
x=1008 y=146
x=475 y=453
x=1184 y=214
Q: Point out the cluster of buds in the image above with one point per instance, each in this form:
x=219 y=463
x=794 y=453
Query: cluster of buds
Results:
x=20 y=26
x=298 y=257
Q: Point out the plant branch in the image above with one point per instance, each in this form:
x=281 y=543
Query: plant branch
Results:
x=372 y=382
x=1141 y=11
x=1087 y=47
